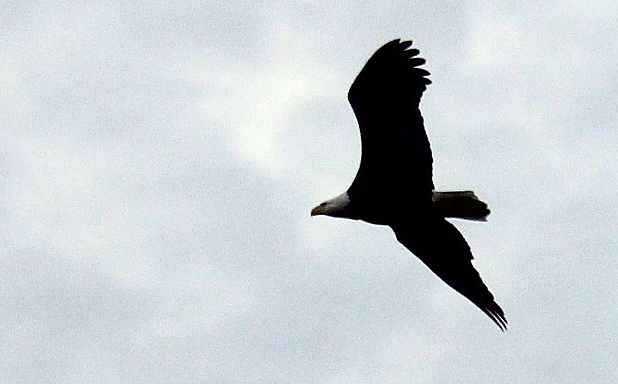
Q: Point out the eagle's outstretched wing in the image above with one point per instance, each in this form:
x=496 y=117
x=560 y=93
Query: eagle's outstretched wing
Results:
x=396 y=156
x=445 y=251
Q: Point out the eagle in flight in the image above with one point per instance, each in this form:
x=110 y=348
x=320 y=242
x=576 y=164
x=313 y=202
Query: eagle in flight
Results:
x=394 y=183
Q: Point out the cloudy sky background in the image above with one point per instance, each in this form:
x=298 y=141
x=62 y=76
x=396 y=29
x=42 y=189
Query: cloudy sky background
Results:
x=159 y=159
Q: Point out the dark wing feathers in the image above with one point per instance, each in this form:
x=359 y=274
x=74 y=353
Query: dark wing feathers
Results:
x=445 y=251
x=396 y=156
x=390 y=74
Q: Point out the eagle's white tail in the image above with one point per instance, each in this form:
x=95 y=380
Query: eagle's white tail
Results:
x=460 y=204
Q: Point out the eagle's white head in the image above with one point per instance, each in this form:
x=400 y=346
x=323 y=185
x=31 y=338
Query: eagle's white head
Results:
x=332 y=207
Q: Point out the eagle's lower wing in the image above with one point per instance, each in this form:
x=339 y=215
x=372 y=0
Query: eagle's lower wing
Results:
x=385 y=96
x=445 y=251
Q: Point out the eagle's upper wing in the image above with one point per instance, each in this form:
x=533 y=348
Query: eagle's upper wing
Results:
x=444 y=250
x=385 y=97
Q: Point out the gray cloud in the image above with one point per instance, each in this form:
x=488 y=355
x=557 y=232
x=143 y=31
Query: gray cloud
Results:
x=158 y=162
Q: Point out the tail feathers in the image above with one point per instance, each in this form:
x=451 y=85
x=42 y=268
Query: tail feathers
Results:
x=460 y=204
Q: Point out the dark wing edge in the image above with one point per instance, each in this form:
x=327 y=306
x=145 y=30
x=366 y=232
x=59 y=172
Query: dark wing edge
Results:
x=445 y=251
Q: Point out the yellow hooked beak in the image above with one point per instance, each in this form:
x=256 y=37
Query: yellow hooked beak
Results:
x=317 y=210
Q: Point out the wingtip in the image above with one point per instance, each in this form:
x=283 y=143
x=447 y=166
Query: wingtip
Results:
x=497 y=316
x=398 y=43
x=405 y=44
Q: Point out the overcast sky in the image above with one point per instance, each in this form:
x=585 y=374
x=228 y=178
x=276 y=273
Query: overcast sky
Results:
x=159 y=160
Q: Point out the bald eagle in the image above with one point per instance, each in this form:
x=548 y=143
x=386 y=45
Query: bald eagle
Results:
x=394 y=183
